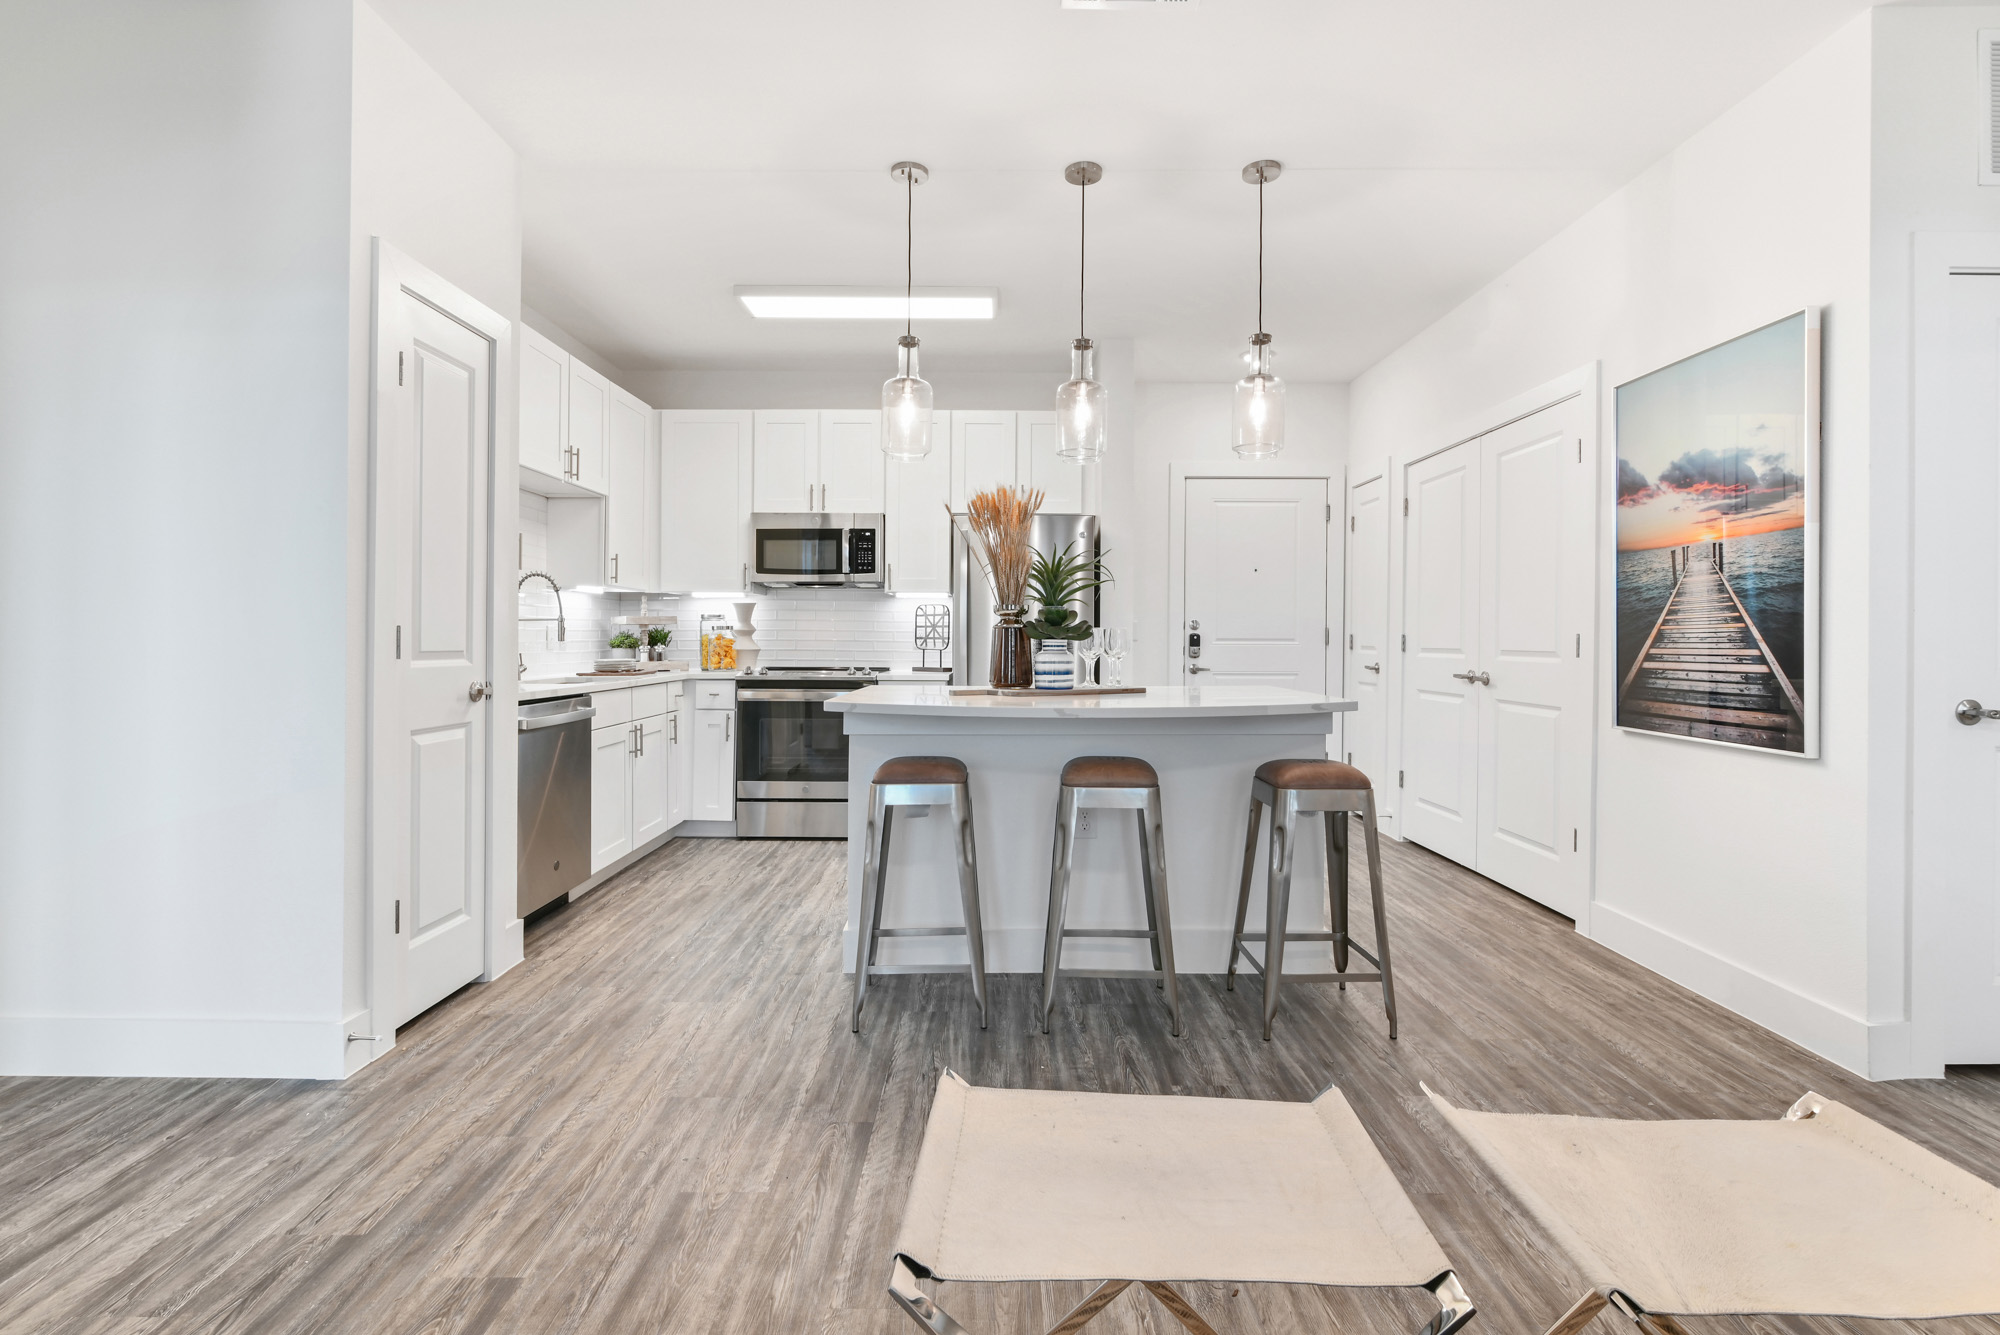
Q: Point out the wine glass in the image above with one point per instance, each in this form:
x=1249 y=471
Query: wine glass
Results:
x=1088 y=649
x=1117 y=643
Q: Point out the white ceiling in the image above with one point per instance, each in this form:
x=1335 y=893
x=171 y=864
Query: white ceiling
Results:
x=674 y=150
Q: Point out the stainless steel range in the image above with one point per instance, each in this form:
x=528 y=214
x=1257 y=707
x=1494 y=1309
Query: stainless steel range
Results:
x=791 y=754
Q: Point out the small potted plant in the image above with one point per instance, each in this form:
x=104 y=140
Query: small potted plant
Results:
x=626 y=643
x=657 y=640
x=1054 y=582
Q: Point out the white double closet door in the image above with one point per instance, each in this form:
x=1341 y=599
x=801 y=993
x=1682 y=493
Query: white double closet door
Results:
x=1496 y=690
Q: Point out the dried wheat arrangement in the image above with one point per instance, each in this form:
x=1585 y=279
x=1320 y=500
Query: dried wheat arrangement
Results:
x=998 y=522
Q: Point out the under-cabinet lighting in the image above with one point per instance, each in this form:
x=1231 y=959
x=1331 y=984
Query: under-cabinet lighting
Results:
x=870 y=303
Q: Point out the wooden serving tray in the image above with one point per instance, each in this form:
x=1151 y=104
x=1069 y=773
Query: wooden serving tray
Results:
x=1031 y=692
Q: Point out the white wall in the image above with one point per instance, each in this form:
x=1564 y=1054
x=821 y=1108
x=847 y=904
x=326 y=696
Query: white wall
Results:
x=436 y=182
x=173 y=380
x=1926 y=151
x=1764 y=906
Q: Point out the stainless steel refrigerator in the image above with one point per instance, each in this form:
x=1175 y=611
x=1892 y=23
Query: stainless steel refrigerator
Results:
x=972 y=596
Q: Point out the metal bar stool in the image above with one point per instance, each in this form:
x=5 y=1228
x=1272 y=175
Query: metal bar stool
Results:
x=1292 y=788
x=917 y=781
x=1117 y=782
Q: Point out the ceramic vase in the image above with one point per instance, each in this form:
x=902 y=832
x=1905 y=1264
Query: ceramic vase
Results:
x=1055 y=666
x=1013 y=669
x=747 y=648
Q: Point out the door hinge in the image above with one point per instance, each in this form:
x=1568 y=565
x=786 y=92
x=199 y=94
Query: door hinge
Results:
x=1350 y=524
x=399 y=368
x=1329 y=634
x=1350 y=757
x=1579 y=644
x=1573 y=840
x=1406 y=505
x=1329 y=512
x=1399 y=778
x=1350 y=640
x=399 y=641
x=1579 y=449
x=1405 y=645
x=399 y=918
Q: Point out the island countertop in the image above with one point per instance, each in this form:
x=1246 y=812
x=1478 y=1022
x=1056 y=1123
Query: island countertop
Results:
x=1218 y=700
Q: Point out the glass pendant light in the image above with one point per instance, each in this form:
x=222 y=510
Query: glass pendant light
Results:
x=1080 y=399
x=1260 y=396
x=906 y=397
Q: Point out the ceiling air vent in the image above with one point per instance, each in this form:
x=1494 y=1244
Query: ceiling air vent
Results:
x=1155 y=5
x=1989 y=103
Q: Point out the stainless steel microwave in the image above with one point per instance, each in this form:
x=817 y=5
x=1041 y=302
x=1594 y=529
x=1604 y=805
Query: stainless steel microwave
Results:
x=817 y=549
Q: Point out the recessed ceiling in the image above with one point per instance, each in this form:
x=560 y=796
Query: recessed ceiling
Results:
x=675 y=151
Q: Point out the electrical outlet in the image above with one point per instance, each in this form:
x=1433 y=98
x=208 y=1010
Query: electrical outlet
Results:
x=1086 y=824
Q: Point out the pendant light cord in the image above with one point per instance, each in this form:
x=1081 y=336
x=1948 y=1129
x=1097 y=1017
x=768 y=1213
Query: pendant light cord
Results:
x=910 y=251
x=1082 y=236
x=1260 y=250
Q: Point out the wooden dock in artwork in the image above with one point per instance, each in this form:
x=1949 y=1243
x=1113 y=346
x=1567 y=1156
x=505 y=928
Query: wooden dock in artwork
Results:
x=1705 y=671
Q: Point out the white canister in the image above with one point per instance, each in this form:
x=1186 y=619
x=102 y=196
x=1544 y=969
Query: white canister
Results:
x=1055 y=666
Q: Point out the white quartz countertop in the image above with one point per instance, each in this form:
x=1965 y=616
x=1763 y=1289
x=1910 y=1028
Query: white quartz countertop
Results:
x=1216 y=700
x=547 y=688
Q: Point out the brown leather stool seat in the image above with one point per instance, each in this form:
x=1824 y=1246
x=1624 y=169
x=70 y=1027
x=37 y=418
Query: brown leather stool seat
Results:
x=1311 y=774
x=1110 y=772
x=926 y=769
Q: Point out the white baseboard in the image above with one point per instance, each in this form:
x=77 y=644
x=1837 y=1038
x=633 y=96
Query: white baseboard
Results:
x=1845 y=1039
x=184 y=1046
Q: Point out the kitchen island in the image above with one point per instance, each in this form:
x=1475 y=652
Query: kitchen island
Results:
x=1206 y=741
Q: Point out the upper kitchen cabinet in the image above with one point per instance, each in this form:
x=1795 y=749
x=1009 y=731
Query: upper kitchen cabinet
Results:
x=1067 y=488
x=544 y=406
x=919 y=540
x=982 y=453
x=785 y=476
x=631 y=544
x=705 y=493
x=818 y=462
x=851 y=462
x=589 y=425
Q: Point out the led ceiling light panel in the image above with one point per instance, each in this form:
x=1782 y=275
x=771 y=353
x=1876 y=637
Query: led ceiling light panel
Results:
x=870 y=303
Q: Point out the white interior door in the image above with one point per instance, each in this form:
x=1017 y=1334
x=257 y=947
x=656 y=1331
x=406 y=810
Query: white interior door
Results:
x=1534 y=694
x=1368 y=632
x=1255 y=581
x=1441 y=627
x=784 y=477
x=982 y=454
x=1955 y=767
x=435 y=435
x=851 y=463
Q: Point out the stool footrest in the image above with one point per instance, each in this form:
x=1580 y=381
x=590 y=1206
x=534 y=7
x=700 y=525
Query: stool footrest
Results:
x=1112 y=973
x=876 y=970
x=1107 y=931
x=921 y=931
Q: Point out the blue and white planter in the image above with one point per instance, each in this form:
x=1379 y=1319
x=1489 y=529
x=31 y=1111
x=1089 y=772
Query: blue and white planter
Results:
x=1055 y=666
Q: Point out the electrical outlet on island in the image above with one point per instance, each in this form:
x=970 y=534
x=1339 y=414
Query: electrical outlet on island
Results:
x=1086 y=824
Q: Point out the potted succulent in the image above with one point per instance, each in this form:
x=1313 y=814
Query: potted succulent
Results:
x=657 y=640
x=623 y=641
x=1054 y=582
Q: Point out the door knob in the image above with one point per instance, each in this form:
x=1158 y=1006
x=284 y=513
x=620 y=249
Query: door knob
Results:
x=1371 y=667
x=1477 y=678
x=1196 y=667
x=1970 y=712
x=478 y=691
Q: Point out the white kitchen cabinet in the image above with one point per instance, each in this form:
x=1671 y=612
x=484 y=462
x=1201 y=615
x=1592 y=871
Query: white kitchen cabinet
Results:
x=712 y=795
x=919 y=539
x=680 y=757
x=785 y=474
x=705 y=492
x=1061 y=482
x=851 y=462
x=589 y=418
x=982 y=454
x=544 y=403
x=651 y=781
x=628 y=561
x=611 y=755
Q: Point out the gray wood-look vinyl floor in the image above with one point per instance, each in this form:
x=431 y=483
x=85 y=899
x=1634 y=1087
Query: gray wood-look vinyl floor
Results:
x=660 y=1123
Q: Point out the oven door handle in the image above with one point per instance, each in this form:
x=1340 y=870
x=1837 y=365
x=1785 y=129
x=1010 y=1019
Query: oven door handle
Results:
x=791 y=695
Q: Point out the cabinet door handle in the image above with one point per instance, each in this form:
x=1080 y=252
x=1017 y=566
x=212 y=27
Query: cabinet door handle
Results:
x=614 y=567
x=728 y=720
x=746 y=574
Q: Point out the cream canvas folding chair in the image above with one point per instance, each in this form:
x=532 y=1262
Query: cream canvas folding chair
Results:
x=1819 y=1213
x=1033 y=1185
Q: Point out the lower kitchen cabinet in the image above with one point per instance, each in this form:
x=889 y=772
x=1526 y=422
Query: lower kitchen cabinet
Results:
x=652 y=769
x=612 y=757
x=680 y=759
x=713 y=792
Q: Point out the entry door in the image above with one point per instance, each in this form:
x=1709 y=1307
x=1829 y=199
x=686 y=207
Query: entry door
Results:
x=1256 y=581
x=434 y=446
x=1534 y=693
x=1440 y=772
x=1955 y=767
x=1368 y=630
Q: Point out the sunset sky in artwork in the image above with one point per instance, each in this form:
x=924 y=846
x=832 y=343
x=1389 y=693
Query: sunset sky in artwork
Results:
x=1713 y=447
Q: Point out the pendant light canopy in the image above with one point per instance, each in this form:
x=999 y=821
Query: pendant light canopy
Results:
x=1260 y=396
x=906 y=397
x=1080 y=399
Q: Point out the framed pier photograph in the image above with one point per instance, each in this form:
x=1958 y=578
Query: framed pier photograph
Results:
x=1717 y=523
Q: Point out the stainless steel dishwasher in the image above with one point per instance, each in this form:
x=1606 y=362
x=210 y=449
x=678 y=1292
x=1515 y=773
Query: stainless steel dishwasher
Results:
x=554 y=797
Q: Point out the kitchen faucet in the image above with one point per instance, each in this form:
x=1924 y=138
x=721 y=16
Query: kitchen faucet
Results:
x=562 y=626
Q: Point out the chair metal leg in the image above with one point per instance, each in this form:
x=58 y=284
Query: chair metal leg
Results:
x=881 y=885
x=1278 y=903
x=1381 y=911
x=864 y=937
x=1058 y=903
x=968 y=895
x=1157 y=855
x=1581 y=1313
x=1337 y=835
x=1146 y=886
x=1182 y=1310
x=1243 y=892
